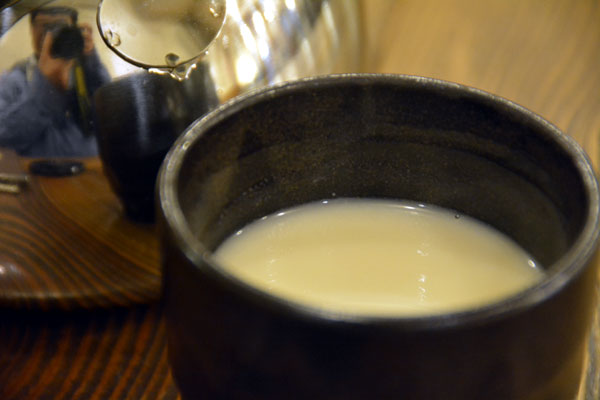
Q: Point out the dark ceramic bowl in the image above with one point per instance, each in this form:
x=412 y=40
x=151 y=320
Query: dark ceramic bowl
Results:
x=379 y=137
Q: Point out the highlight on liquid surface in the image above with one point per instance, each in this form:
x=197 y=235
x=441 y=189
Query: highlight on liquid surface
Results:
x=376 y=257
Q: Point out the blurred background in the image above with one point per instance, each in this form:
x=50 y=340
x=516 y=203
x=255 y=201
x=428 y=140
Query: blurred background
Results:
x=541 y=54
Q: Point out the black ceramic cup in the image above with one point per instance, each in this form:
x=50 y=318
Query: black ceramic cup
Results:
x=377 y=136
x=138 y=117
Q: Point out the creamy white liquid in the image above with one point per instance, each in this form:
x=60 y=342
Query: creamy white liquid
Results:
x=378 y=258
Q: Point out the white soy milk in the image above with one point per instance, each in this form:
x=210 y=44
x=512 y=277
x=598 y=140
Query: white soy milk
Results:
x=375 y=257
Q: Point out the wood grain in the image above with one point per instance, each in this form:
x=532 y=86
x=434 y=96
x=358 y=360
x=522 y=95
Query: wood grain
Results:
x=107 y=354
x=64 y=243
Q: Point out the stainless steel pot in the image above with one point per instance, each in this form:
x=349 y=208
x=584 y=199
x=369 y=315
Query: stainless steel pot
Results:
x=135 y=113
x=262 y=41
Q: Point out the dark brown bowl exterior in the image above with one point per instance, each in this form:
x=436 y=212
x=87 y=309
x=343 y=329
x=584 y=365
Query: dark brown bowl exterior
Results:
x=376 y=136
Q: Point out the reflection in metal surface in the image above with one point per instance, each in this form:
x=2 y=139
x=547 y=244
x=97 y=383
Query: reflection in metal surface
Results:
x=161 y=33
x=269 y=41
x=46 y=93
x=261 y=42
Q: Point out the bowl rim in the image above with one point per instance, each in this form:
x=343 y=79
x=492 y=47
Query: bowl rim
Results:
x=564 y=270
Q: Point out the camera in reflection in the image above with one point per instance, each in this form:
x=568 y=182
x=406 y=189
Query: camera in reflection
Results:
x=67 y=40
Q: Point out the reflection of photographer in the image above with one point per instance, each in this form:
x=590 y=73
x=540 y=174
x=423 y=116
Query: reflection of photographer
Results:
x=45 y=101
x=58 y=43
x=67 y=41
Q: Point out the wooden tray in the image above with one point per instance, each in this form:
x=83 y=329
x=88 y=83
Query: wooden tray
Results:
x=65 y=244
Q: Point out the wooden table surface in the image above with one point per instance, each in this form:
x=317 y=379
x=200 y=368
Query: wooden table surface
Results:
x=542 y=54
x=65 y=244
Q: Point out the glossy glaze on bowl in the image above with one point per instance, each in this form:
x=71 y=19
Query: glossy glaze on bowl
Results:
x=377 y=136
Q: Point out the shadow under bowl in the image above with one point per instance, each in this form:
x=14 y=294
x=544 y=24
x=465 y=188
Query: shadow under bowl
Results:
x=377 y=136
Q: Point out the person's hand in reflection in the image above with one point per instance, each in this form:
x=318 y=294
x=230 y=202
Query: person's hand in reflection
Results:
x=56 y=70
